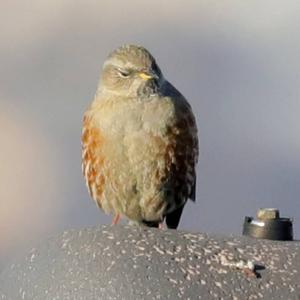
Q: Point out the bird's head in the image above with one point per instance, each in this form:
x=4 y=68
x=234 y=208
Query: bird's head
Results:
x=131 y=71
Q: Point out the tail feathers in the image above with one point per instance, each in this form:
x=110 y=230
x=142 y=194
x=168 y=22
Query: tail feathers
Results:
x=193 y=191
x=173 y=218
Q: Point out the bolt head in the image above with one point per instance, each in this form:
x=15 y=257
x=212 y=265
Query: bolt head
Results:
x=267 y=213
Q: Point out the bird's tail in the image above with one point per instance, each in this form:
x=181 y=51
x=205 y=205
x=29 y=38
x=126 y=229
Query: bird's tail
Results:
x=154 y=224
x=173 y=218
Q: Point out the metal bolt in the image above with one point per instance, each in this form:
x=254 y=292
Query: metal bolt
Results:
x=267 y=213
x=269 y=225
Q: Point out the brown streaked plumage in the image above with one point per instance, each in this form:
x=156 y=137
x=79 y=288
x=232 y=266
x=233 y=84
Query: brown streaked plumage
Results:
x=139 y=142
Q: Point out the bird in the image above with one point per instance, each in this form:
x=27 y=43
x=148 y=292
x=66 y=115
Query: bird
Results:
x=139 y=142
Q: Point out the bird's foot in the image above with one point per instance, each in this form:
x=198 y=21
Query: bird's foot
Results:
x=161 y=225
x=116 y=219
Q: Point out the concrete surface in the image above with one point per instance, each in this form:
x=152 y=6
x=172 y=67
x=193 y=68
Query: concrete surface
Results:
x=129 y=262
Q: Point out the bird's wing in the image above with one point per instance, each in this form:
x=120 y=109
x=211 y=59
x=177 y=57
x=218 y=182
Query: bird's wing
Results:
x=188 y=145
x=186 y=155
x=92 y=161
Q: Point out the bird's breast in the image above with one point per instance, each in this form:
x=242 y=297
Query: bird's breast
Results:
x=125 y=117
x=130 y=150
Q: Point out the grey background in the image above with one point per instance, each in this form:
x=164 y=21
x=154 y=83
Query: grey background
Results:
x=237 y=62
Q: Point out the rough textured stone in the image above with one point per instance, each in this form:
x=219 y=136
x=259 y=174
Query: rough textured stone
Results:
x=128 y=262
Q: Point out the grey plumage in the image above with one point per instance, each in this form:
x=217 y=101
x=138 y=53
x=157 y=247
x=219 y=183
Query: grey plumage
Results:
x=140 y=145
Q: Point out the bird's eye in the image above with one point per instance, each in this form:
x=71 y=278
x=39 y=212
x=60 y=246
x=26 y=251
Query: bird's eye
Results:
x=123 y=73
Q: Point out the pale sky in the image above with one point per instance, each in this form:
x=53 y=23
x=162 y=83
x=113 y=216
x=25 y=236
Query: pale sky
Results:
x=237 y=62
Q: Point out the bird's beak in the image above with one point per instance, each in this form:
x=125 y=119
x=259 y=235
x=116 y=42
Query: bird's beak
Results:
x=145 y=76
x=148 y=75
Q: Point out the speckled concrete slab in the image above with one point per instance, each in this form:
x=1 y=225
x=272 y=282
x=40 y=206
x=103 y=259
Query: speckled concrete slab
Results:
x=128 y=262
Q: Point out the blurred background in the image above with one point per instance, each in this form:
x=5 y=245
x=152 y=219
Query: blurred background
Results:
x=237 y=62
